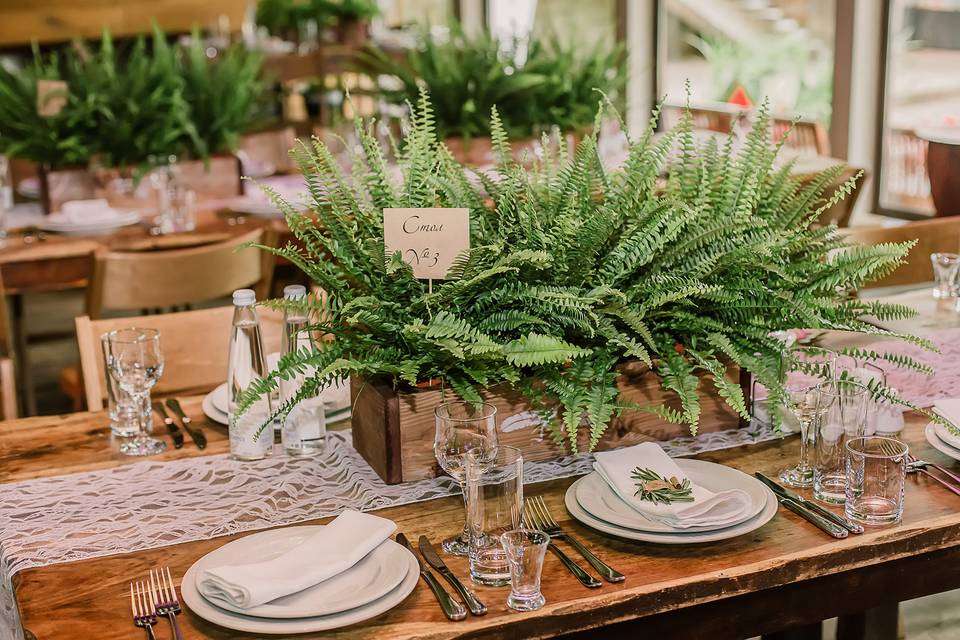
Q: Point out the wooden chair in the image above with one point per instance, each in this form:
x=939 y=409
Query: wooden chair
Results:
x=271 y=147
x=194 y=346
x=808 y=136
x=8 y=377
x=125 y=281
x=936 y=235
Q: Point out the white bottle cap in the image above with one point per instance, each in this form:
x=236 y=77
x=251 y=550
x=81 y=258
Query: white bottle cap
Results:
x=294 y=291
x=244 y=297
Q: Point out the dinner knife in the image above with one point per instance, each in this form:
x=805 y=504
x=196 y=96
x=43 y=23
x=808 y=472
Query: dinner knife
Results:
x=430 y=554
x=174 y=430
x=195 y=433
x=820 y=522
x=451 y=608
x=846 y=523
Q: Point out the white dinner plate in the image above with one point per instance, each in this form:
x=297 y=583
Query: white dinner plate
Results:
x=211 y=411
x=946 y=435
x=253 y=624
x=599 y=500
x=937 y=443
x=579 y=513
x=371 y=578
x=59 y=224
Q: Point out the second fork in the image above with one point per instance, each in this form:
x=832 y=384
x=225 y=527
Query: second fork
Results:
x=539 y=514
x=163 y=593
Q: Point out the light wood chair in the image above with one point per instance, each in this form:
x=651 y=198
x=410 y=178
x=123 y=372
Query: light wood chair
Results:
x=125 y=281
x=194 y=346
x=937 y=235
x=807 y=136
x=8 y=377
x=271 y=147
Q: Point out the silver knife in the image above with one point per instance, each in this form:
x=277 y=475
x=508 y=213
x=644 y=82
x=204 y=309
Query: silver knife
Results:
x=846 y=523
x=476 y=607
x=822 y=523
x=195 y=433
x=451 y=608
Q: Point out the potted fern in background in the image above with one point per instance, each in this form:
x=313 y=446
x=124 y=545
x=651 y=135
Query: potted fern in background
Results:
x=537 y=85
x=589 y=297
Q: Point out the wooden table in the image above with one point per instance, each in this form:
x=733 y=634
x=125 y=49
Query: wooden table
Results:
x=785 y=574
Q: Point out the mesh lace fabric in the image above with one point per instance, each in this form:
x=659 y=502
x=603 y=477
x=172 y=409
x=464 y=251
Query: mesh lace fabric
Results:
x=148 y=504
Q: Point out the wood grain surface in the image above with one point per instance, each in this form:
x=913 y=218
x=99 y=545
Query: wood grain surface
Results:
x=707 y=587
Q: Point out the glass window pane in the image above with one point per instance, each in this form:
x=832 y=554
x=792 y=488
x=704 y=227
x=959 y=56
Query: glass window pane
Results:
x=736 y=54
x=922 y=98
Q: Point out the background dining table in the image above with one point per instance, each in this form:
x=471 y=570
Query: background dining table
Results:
x=785 y=575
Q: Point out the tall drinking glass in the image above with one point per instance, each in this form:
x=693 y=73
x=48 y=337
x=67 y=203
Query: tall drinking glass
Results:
x=876 y=476
x=945 y=268
x=806 y=368
x=841 y=415
x=124 y=412
x=460 y=428
x=494 y=506
x=135 y=363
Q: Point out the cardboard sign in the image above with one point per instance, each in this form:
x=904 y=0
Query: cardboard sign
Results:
x=51 y=97
x=429 y=240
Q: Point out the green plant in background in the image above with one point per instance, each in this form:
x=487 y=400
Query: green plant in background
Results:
x=757 y=66
x=135 y=100
x=53 y=142
x=467 y=75
x=574 y=269
x=221 y=93
x=287 y=17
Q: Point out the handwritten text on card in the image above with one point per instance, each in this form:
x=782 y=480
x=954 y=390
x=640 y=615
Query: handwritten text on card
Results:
x=429 y=240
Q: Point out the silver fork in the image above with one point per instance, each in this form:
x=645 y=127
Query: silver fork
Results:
x=143 y=615
x=587 y=580
x=165 y=600
x=537 y=508
x=911 y=459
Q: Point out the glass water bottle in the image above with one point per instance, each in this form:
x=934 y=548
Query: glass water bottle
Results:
x=251 y=433
x=305 y=426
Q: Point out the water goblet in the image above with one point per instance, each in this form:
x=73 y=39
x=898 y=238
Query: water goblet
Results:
x=136 y=363
x=460 y=428
x=945 y=268
x=525 y=551
x=807 y=367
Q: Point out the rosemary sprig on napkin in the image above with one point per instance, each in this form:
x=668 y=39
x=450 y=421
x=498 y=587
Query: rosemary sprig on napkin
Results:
x=659 y=490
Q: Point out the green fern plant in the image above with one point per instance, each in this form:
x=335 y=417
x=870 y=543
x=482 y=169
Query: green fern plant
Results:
x=573 y=269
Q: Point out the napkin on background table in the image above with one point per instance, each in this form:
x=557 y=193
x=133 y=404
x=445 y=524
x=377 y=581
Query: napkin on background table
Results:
x=331 y=551
x=708 y=509
x=948 y=408
x=88 y=211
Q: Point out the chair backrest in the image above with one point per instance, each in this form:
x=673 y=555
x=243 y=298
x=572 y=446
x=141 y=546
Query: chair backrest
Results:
x=807 y=136
x=8 y=390
x=194 y=346
x=161 y=279
x=271 y=147
x=932 y=236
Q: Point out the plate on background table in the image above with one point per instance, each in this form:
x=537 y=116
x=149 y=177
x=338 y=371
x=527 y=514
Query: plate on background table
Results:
x=932 y=434
x=754 y=523
x=345 y=592
x=59 y=223
x=596 y=497
x=218 y=397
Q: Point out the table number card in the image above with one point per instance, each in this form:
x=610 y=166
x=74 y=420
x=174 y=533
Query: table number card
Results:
x=429 y=240
x=51 y=97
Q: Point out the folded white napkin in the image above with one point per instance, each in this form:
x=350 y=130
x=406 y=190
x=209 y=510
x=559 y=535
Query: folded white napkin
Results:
x=708 y=509
x=950 y=409
x=88 y=211
x=331 y=551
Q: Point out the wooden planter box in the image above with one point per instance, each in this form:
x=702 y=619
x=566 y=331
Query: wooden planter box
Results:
x=394 y=431
x=478 y=151
x=63 y=185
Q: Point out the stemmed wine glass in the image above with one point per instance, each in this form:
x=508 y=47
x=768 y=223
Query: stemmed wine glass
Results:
x=462 y=427
x=135 y=363
x=806 y=368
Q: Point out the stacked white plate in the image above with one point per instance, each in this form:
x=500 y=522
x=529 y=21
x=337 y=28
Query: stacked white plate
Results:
x=943 y=440
x=591 y=501
x=374 y=585
x=59 y=223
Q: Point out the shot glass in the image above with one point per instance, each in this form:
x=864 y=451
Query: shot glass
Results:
x=945 y=268
x=124 y=411
x=494 y=505
x=876 y=476
x=841 y=415
x=525 y=551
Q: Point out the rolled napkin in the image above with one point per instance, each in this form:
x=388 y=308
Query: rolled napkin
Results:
x=708 y=509
x=331 y=551
x=88 y=211
x=948 y=408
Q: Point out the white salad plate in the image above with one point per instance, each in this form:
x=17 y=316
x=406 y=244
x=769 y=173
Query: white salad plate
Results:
x=675 y=536
x=600 y=501
x=936 y=441
x=61 y=224
x=374 y=585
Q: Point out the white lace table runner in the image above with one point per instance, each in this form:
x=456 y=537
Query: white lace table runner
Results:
x=151 y=504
